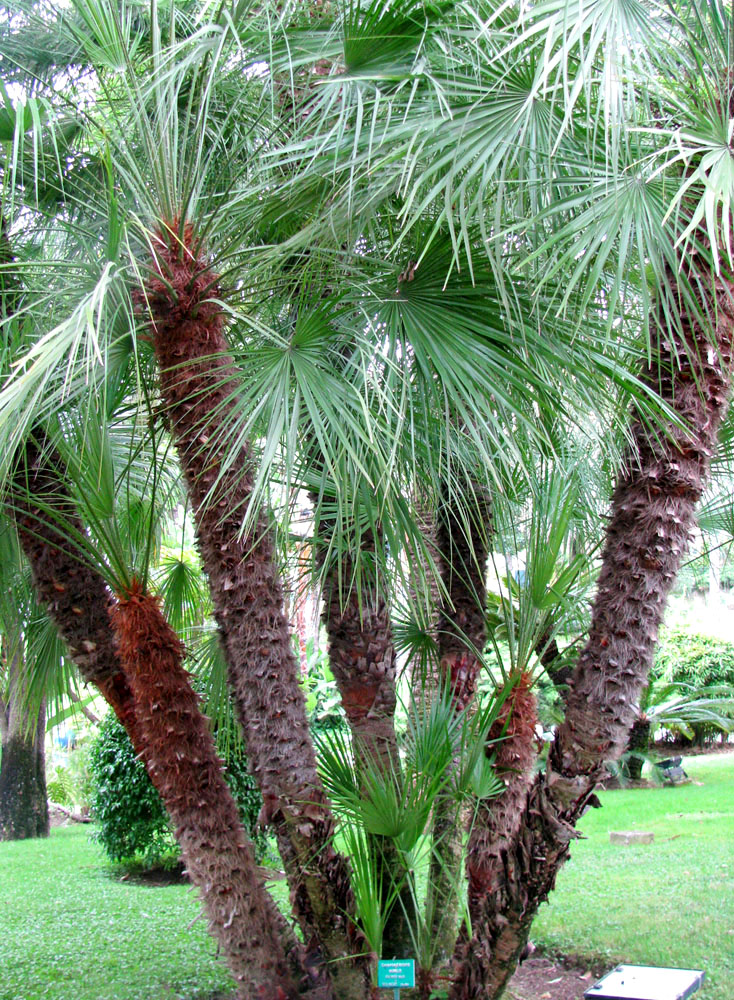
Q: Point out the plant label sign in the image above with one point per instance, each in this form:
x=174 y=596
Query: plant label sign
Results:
x=396 y=974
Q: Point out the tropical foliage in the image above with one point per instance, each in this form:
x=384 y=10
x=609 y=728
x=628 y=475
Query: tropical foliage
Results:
x=691 y=657
x=428 y=263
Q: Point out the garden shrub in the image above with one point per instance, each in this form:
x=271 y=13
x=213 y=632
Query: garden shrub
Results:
x=132 y=824
x=694 y=658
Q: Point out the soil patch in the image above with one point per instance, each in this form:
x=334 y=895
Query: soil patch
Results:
x=541 y=978
x=538 y=978
x=157 y=876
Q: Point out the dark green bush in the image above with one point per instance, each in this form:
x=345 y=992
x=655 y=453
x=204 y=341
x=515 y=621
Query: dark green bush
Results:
x=130 y=815
x=132 y=824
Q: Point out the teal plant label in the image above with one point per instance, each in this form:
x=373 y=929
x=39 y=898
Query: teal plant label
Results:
x=396 y=974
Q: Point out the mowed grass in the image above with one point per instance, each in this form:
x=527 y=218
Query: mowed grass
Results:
x=668 y=904
x=71 y=930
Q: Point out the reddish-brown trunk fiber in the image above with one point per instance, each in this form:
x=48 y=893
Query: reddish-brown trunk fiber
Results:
x=200 y=384
x=649 y=528
x=75 y=595
x=490 y=853
x=463 y=541
x=183 y=764
x=79 y=603
x=362 y=658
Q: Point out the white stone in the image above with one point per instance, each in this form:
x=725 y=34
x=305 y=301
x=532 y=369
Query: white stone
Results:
x=631 y=837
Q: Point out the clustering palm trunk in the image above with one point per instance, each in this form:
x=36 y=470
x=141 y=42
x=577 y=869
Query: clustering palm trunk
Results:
x=462 y=539
x=79 y=602
x=362 y=658
x=493 y=888
x=183 y=765
x=199 y=385
x=648 y=532
x=75 y=595
x=638 y=745
x=23 y=801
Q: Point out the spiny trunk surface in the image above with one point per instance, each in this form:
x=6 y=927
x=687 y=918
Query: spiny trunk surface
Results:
x=200 y=384
x=183 y=765
x=362 y=659
x=494 y=884
x=463 y=541
x=653 y=510
x=75 y=595
x=79 y=602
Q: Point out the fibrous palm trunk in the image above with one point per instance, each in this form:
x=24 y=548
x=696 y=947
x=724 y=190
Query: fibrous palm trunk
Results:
x=491 y=842
x=79 y=602
x=462 y=538
x=362 y=657
x=199 y=385
x=647 y=533
x=183 y=764
x=23 y=801
x=638 y=745
x=75 y=595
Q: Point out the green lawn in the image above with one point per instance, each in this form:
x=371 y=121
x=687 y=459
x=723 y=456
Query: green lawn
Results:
x=69 y=930
x=669 y=903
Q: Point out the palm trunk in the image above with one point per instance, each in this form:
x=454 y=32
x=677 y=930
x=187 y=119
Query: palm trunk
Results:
x=639 y=740
x=463 y=542
x=362 y=658
x=79 y=602
x=550 y=657
x=23 y=800
x=183 y=764
x=75 y=595
x=648 y=532
x=491 y=846
x=199 y=385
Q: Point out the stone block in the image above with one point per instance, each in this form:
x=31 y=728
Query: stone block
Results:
x=631 y=837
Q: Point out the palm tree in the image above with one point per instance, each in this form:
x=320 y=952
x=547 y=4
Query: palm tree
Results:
x=452 y=189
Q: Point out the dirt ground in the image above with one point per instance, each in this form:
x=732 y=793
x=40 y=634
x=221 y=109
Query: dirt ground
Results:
x=536 y=979
x=540 y=978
